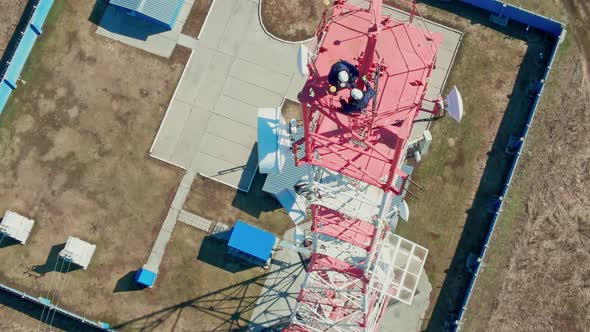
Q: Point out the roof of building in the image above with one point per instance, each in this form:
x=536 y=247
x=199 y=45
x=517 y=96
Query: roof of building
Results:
x=165 y=11
x=273 y=140
x=251 y=240
x=145 y=277
x=16 y=226
x=78 y=251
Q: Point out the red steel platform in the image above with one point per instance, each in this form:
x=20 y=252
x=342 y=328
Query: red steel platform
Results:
x=357 y=232
x=367 y=146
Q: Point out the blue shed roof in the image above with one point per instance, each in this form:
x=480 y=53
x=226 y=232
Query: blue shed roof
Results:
x=164 y=11
x=251 y=240
x=145 y=277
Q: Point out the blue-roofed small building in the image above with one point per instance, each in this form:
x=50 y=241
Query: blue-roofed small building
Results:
x=163 y=12
x=145 y=277
x=252 y=244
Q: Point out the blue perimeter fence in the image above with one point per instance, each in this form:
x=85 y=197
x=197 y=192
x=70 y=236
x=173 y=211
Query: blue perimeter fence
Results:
x=555 y=28
x=46 y=304
x=17 y=56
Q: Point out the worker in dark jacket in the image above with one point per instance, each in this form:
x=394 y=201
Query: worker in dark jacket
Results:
x=358 y=100
x=343 y=75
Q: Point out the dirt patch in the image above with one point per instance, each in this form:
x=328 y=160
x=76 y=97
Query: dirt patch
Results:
x=10 y=13
x=292 y=20
x=291 y=110
x=218 y=202
x=196 y=18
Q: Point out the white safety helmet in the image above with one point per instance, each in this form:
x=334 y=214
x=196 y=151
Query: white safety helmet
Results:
x=356 y=94
x=343 y=76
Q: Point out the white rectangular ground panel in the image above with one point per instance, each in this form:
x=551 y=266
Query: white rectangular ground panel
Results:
x=15 y=226
x=78 y=251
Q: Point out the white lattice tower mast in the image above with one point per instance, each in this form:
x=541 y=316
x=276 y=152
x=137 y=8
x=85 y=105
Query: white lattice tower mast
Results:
x=357 y=264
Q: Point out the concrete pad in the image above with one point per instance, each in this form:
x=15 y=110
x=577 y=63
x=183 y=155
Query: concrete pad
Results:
x=437 y=78
x=280 y=59
x=187 y=89
x=221 y=148
x=261 y=76
x=219 y=15
x=243 y=14
x=444 y=59
x=237 y=176
x=296 y=85
x=251 y=93
x=237 y=110
x=187 y=41
x=180 y=198
x=170 y=130
x=214 y=79
x=232 y=131
x=401 y=317
x=195 y=126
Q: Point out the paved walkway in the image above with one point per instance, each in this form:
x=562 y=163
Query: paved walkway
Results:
x=194 y=220
x=155 y=258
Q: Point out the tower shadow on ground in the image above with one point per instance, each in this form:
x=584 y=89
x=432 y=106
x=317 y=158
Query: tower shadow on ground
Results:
x=54 y=263
x=229 y=308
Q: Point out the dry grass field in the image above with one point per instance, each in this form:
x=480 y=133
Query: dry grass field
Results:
x=537 y=273
x=74 y=142
x=218 y=202
x=10 y=13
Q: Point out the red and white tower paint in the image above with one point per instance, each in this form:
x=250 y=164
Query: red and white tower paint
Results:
x=357 y=264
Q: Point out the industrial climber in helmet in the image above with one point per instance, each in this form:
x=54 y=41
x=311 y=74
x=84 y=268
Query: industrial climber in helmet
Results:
x=358 y=100
x=343 y=75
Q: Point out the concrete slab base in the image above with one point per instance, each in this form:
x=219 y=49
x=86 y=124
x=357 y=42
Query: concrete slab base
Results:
x=400 y=317
x=279 y=295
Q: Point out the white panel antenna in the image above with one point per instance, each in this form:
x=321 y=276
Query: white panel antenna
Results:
x=404 y=211
x=454 y=104
x=273 y=140
x=298 y=236
x=302 y=59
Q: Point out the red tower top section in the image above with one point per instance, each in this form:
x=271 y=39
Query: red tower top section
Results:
x=397 y=58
